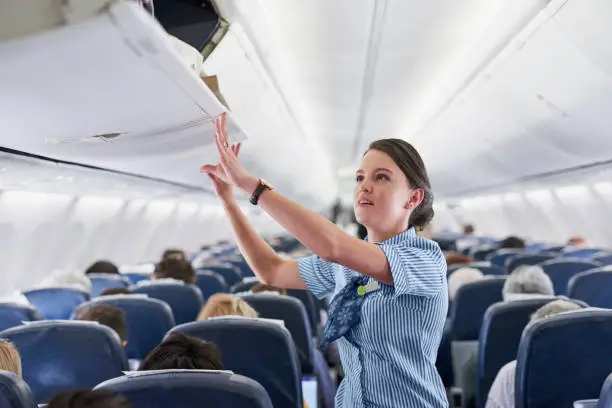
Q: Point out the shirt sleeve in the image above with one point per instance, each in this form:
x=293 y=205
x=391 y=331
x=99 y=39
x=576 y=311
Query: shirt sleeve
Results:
x=318 y=275
x=501 y=394
x=416 y=269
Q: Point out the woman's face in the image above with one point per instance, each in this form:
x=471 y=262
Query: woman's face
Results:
x=383 y=197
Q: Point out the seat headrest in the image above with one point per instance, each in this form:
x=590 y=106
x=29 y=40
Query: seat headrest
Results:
x=185 y=300
x=554 y=349
x=470 y=304
x=148 y=321
x=14 y=392
x=189 y=388
x=57 y=355
x=269 y=355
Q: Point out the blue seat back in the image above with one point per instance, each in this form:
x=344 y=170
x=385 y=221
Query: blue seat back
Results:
x=499 y=258
x=102 y=281
x=564 y=358
x=481 y=254
x=291 y=311
x=603 y=260
x=605 y=395
x=585 y=253
x=243 y=267
x=263 y=351
x=14 y=392
x=470 y=304
x=499 y=339
x=229 y=273
x=58 y=355
x=308 y=300
x=148 y=321
x=210 y=283
x=184 y=300
x=244 y=286
x=189 y=389
x=56 y=303
x=593 y=287
x=136 y=277
x=532 y=259
x=13 y=314
x=562 y=270
x=557 y=249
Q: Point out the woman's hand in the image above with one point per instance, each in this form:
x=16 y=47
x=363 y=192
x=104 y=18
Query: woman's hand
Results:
x=229 y=172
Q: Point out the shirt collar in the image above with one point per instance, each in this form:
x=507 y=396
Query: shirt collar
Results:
x=396 y=239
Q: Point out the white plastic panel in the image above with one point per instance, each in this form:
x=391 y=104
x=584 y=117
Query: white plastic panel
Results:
x=118 y=72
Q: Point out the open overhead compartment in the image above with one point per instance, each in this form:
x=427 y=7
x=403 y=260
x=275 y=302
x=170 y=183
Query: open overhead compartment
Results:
x=105 y=85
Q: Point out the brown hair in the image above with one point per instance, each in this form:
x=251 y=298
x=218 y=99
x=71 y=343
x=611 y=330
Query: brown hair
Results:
x=411 y=164
x=223 y=304
x=102 y=267
x=182 y=352
x=81 y=398
x=10 y=360
x=115 y=291
x=175 y=268
x=174 y=253
x=108 y=315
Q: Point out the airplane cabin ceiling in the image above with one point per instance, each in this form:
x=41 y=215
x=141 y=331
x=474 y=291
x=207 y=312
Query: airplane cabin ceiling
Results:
x=490 y=92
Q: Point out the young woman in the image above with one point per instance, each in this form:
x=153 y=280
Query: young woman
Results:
x=390 y=294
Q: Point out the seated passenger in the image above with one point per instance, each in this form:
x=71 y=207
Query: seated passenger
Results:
x=512 y=242
x=223 y=304
x=115 y=291
x=88 y=399
x=175 y=268
x=460 y=277
x=182 y=352
x=577 y=242
x=174 y=254
x=107 y=315
x=501 y=394
x=263 y=288
x=526 y=282
x=102 y=267
x=10 y=360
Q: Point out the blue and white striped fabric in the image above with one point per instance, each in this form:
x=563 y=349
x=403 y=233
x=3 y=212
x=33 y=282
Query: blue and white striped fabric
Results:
x=389 y=356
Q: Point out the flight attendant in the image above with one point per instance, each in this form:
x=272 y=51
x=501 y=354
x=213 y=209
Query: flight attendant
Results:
x=389 y=291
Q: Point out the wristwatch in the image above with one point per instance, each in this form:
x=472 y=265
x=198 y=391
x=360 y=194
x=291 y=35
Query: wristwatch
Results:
x=261 y=187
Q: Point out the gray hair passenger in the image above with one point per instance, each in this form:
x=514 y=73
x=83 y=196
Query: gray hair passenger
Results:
x=526 y=282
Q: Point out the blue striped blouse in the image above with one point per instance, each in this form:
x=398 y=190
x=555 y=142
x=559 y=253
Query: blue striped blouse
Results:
x=389 y=357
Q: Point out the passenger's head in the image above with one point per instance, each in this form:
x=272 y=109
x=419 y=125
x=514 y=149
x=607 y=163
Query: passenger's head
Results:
x=456 y=258
x=262 y=287
x=461 y=277
x=102 y=267
x=174 y=253
x=223 y=304
x=512 y=242
x=392 y=190
x=10 y=360
x=107 y=315
x=527 y=281
x=468 y=229
x=175 y=268
x=115 y=291
x=181 y=352
x=553 y=308
x=577 y=241
x=83 y=398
